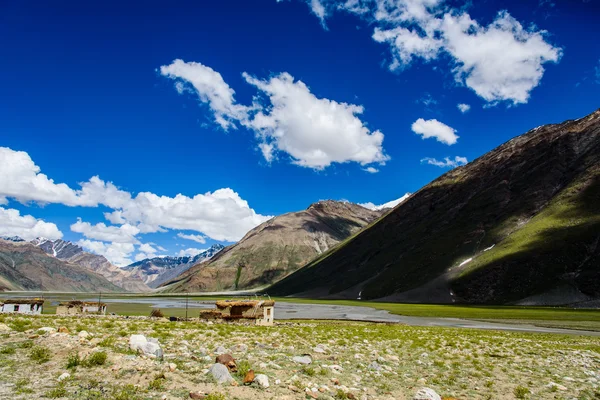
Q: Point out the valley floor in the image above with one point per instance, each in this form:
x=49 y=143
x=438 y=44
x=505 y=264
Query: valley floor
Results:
x=349 y=360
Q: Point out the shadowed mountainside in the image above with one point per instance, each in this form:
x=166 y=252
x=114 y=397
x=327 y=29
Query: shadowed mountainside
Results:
x=276 y=248
x=520 y=221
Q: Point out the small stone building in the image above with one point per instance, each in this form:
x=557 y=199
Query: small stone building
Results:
x=76 y=307
x=260 y=311
x=22 y=306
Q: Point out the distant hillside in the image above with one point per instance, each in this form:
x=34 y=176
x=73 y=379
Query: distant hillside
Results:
x=519 y=224
x=24 y=266
x=276 y=248
x=157 y=270
x=74 y=254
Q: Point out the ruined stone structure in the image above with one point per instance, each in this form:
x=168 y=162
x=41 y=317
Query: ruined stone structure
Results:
x=259 y=311
x=22 y=306
x=76 y=307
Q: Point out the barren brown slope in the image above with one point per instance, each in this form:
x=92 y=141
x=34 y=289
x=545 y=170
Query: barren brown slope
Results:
x=276 y=248
x=535 y=199
x=24 y=266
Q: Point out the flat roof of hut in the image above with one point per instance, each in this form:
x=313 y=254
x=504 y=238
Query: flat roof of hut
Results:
x=36 y=301
x=78 y=303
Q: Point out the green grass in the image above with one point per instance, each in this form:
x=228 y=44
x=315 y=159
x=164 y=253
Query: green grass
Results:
x=40 y=354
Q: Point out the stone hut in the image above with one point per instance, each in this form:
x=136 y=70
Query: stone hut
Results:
x=259 y=311
x=76 y=307
x=22 y=306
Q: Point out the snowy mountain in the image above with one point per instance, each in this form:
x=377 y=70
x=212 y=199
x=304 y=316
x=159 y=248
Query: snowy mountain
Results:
x=74 y=254
x=157 y=270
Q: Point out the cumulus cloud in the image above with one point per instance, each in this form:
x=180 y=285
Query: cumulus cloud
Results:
x=196 y=238
x=314 y=131
x=463 y=107
x=210 y=87
x=287 y=118
x=221 y=215
x=371 y=170
x=116 y=234
x=12 y=223
x=433 y=128
x=389 y=204
x=447 y=162
x=117 y=253
x=145 y=250
x=502 y=61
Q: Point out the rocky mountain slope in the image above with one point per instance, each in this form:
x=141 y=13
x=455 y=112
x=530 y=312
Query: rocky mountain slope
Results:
x=157 y=270
x=519 y=224
x=74 y=254
x=276 y=248
x=24 y=266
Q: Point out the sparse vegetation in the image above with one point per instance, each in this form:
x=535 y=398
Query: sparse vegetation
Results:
x=40 y=354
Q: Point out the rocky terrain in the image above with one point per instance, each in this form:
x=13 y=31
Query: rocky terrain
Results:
x=143 y=358
x=74 y=254
x=276 y=248
x=157 y=270
x=24 y=266
x=520 y=223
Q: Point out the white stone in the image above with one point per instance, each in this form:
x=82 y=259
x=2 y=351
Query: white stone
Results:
x=557 y=386
x=426 y=394
x=83 y=334
x=47 y=329
x=262 y=380
x=64 y=376
x=302 y=360
x=220 y=373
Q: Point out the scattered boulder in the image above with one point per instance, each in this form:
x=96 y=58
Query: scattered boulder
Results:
x=262 y=380
x=249 y=378
x=198 y=395
x=220 y=350
x=305 y=359
x=375 y=366
x=47 y=329
x=64 y=376
x=426 y=394
x=227 y=360
x=220 y=373
x=149 y=347
x=83 y=335
x=557 y=386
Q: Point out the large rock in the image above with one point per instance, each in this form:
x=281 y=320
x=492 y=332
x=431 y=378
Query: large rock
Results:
x=305 y=360
x=426 y=394
x=262 y=380
x=149 y=347
x=220 y=373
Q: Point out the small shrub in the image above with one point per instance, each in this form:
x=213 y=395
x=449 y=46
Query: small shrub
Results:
x=215 y=396
x=40 y=354
x=108 y=341
x=157 y=382
x=243 y=367
x=156 y=313
x=21 y=386
x=128 y=392
x=309 y=371
x=95 y=359
x=7 y=350
x=340 y=395
x=26 y=344
x=57 y=392
x=521 y=392
x=73 y=361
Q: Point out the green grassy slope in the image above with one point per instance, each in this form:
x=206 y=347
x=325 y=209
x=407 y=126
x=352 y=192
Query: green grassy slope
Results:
x=469 y=209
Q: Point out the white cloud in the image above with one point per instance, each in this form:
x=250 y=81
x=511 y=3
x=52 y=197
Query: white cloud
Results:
x=433 y=128
x=463 y=107
x=196 y=238
x=371 y=170
x=500 y=62
x=315 y=132
x=117 y=253
x=191 y=252
x=12 y=223
x=389 y=204
x=146 y=251
x=116 y=234
x=319 y=10
x=210 y=87
x=221 y=215
x=447 y=162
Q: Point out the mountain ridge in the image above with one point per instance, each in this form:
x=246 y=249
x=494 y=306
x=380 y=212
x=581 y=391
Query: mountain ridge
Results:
x=467 y=210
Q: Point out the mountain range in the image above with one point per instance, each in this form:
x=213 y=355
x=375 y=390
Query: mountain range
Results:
x=276 y=248
x=25 y=266
x=155 y=271
x=521 y=224
x=74 y=254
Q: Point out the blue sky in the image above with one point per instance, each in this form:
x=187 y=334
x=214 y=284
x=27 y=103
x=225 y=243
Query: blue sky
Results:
x=272 y=106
